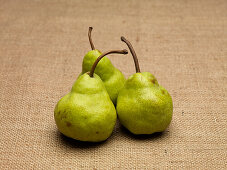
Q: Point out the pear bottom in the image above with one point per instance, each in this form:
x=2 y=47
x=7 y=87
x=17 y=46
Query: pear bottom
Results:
x=80 y=123
x=144 y=116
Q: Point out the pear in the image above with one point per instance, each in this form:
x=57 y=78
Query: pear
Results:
x=87 y=112
x=112 y=78
x=143 y=106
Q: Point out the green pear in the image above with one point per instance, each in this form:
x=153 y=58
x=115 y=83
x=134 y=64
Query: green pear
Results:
x=143 y=106
x=87 y=112
x=112 y=78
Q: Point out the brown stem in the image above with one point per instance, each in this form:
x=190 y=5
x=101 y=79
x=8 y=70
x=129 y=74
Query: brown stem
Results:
x=133 y=53
x=90 y=40
x=103 y=55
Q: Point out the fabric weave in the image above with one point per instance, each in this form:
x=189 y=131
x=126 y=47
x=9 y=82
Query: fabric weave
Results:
x=183 y=43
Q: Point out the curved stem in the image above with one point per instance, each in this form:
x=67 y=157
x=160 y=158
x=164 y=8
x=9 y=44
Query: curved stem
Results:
x=90 y=40
x=133 y=53
x=103 y=55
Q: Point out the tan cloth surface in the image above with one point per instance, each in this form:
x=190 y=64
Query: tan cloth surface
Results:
x=183 y=43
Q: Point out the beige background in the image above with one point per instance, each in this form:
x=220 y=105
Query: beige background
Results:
x=183 y=43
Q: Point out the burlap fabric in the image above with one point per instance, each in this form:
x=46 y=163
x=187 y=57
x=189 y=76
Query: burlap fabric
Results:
x=183 y=43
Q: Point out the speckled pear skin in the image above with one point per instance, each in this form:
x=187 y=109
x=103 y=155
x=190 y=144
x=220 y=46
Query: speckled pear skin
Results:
x=112 y=78
x=86 y=113
x=143 y=106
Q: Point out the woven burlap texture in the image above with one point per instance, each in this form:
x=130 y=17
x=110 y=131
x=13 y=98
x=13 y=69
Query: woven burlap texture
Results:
x=183 y=43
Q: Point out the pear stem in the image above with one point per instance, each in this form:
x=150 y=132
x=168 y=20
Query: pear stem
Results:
x=133 y=53
x=103 y=55
x=90 y=39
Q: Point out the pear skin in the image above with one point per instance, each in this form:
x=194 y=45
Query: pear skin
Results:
x=143 y=106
